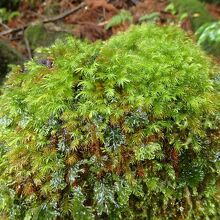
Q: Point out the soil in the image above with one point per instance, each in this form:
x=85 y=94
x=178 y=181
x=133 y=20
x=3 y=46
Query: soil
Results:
x=89 y=22
x=214 y=10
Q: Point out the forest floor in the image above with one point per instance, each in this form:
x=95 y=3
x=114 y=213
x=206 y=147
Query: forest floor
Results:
x=89 y=21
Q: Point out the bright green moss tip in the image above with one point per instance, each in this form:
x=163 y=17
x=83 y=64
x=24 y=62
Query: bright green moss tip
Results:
x=122 y=129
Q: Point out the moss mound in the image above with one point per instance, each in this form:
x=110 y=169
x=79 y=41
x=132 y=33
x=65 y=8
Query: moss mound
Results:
x=125 y=129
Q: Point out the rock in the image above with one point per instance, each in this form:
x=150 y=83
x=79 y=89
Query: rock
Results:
x=8 y=55
x=39 y=35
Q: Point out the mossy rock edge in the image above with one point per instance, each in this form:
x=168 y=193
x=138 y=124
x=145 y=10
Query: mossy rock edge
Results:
x=38 y=35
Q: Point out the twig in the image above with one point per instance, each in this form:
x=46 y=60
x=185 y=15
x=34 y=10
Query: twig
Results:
x=52 y=19
x=37 y=14
x=13 y=30
x=65 y=14
x=103 y=23
x=28 y=47
x=4 y=25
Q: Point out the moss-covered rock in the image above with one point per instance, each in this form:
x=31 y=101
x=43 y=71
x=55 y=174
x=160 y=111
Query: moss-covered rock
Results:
x=8 y=55
x=40 y=36
x=124 y=129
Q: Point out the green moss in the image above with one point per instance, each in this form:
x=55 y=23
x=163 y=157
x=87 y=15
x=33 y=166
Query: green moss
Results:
x=124 y=129
x=196 y=10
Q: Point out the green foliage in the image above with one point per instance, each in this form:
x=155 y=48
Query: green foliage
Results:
x=196 y=10
x=8 y=10
x=209 y=37
x=7 y=15
x=152 y=17
x=124 y=129
x=171 y=8
x=149 y=152
x=122 y=17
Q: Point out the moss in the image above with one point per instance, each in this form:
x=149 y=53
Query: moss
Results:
x=124 y=129
x=197 y=11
